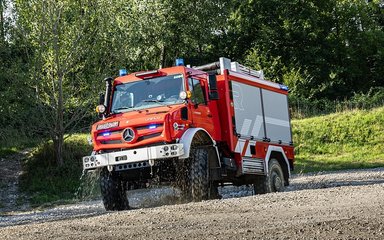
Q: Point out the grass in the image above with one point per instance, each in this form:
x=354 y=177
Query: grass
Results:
x=352 y=139
x=44 y=181
x=12 y=141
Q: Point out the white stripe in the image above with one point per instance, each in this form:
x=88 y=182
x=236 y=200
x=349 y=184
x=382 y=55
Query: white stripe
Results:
x=240 y=146
x=257 y=127
x=278 y=122
x=246 y=126
x=248 y=151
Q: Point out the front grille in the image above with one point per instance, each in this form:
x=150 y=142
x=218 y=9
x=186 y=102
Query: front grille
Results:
x=111 y=142
x=148 y=136
x=109 y=133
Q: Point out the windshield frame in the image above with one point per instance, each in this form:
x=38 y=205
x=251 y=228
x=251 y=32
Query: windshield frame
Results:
x=151 y=101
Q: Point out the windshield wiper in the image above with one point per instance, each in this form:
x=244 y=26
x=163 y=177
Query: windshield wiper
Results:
x=120 y=108
x=155 y=101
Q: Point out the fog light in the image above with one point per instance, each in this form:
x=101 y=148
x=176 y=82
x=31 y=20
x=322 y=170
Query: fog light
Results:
x=86 y=159
x=174 y=147
x=166 y=148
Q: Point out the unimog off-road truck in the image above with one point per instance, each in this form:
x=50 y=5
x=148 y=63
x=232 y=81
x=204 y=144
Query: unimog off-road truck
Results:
x=197 y=127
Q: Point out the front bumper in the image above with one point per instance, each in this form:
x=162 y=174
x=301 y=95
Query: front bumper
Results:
x=133 y=156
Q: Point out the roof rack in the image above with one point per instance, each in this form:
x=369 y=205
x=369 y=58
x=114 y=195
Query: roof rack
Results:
x=225 y=63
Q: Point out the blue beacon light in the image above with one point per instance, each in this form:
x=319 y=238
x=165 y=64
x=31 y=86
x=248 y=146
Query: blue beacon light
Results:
x=179 y=62
x=122 y=72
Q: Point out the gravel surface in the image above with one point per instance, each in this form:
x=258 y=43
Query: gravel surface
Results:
x=332 y=205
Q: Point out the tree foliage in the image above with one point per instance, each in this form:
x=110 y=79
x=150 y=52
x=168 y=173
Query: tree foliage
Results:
x=55 y=53
x=337 y=45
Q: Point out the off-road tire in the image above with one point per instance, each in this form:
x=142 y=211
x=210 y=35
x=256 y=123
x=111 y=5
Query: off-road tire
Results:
x=113 y=191
x=259 y=185
x=182 y=180
x=199 y=174
x=274 y=182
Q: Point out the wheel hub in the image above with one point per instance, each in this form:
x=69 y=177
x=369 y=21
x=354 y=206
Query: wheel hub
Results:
x=277 y=182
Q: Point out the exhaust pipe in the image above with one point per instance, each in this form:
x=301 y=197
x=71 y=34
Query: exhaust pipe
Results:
x=108 y=91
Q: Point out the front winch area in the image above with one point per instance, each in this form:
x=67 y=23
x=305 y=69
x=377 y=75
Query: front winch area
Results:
x=134 y=156
x=129 y=166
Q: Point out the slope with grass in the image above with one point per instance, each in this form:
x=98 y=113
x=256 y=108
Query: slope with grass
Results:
x=44 y=181
x=352 y=139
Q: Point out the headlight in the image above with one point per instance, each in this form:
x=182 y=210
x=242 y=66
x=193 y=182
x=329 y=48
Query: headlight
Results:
x=89 y=139
x=100 y=109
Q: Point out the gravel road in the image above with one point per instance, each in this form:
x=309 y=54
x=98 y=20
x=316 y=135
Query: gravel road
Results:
x=332 y=205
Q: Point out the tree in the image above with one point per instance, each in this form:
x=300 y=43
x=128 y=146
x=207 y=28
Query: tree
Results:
x=62 y=38
x=335 y=45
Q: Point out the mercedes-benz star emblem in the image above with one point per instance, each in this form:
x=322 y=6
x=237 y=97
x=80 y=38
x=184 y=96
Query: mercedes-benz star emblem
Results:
x=128 y=134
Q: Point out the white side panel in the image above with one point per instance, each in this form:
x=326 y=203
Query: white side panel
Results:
x=276 y=116
x=248 y=110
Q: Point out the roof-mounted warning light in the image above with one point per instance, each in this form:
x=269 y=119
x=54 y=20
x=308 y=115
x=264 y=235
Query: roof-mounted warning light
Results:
x=149 y=74
x=283 y=87
x=179 y=62
x=122 y=72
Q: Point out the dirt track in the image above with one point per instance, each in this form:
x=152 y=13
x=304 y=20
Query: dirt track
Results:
x=343 y=205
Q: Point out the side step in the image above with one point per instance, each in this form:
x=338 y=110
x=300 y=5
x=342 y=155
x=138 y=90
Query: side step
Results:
x=253 y=166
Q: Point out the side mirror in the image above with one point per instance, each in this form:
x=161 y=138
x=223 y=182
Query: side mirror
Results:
x=101 y=103
x=213 y=93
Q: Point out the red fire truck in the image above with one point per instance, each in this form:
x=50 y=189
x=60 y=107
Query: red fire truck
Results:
x=196 y=127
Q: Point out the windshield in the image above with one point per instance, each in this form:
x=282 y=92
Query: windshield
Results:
x=147 y=93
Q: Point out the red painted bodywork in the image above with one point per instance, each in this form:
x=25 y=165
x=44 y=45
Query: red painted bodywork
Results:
x=215 y=117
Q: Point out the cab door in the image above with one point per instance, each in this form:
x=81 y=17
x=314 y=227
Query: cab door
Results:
x=201 y=114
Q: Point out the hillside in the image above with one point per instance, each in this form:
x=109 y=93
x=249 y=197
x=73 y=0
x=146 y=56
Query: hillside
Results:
x=353 y=139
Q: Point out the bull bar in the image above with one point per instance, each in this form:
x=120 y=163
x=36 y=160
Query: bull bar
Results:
x=133 y=156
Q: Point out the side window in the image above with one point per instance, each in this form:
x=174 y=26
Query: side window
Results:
x=195 y=87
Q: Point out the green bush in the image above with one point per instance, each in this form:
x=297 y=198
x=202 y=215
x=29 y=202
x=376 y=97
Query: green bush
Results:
x=44 y=181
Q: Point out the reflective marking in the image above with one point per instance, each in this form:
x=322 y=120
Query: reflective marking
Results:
x=245 y=148
x=248 y=151
x=257 y=127
x=240 y=146
x=246 y=126
x=277 y=122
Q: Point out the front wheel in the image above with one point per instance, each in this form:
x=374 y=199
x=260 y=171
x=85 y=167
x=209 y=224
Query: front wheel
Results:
x=113 y=191
x=199 y=174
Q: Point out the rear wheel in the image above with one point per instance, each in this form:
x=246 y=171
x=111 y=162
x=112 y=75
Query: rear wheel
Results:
x=113 y=191
x=274 y=182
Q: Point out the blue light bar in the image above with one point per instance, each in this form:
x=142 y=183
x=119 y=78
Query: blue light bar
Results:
x=152 y=127
x=179 y=62
x=106 y=134
x=122 y=72
x=283 y=87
